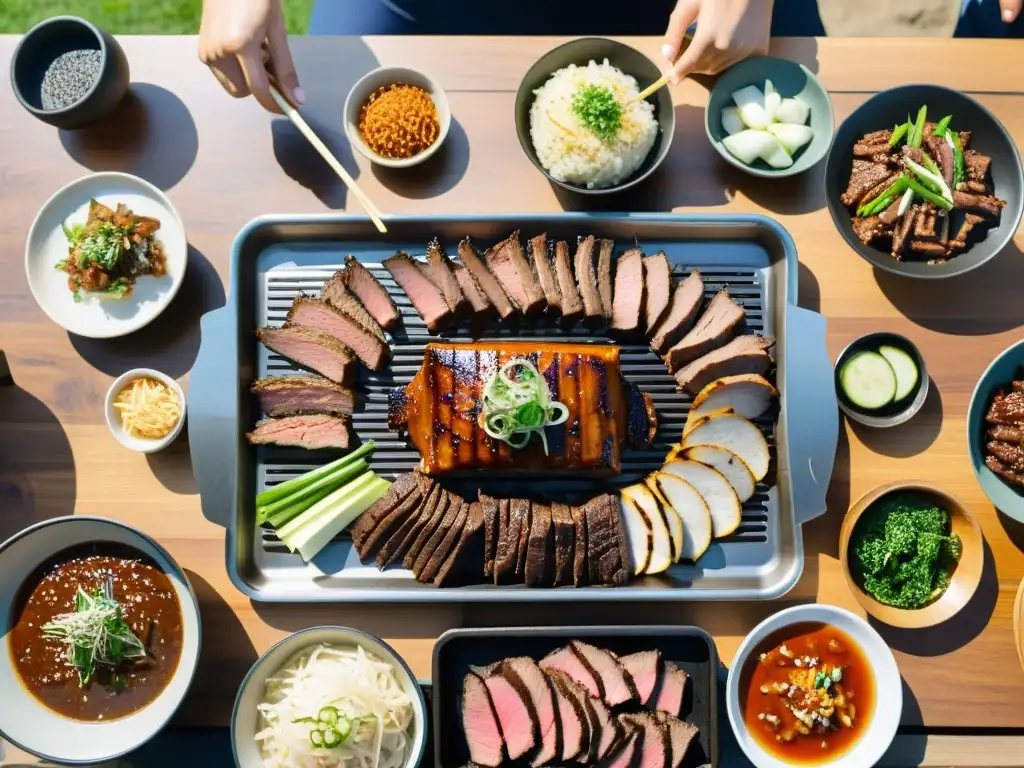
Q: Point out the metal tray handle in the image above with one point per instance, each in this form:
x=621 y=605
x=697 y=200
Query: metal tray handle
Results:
x=212 y=416
x=812 y=424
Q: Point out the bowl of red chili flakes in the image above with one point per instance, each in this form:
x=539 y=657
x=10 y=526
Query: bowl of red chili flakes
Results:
x=397 y=117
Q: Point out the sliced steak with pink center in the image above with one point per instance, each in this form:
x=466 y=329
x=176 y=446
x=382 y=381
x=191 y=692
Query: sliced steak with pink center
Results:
x=476 y=297
x=311 y=432
x=510 y=265
x=605 y=286
x=573 y=721
x=322 y=316
x=485 y=279
x=680 y=734
x=512 y=708
x=628 y=304
x=290 y=395
x=565 y=661
x=340 y=297
x=658 y=284
x=480 y=724
x=613 y=682
x=643 y=669
x=581 y=701
x=682 y=312
x=586 y=277
x=713 y=329
x=626 y=753
x=311 y=349
x=545 y=272
x=654 y=748
x=572 y=304
x=422 y=292
x=524 y=673
x=371 y=293
x=439 y=269
x=744 y=354
x=669 y=698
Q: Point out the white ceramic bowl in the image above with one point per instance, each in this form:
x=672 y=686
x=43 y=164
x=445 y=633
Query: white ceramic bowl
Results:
x=46 y=245
x=378 y=78
x=131 y=442
x=245 y=717
x=880 y=731
x=27 y=723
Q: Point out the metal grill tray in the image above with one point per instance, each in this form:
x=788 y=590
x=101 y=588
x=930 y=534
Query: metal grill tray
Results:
x=276 y=258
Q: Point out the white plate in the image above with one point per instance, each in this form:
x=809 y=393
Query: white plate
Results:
x=47 y=245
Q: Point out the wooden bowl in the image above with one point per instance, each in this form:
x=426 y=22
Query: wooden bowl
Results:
x=966 y=576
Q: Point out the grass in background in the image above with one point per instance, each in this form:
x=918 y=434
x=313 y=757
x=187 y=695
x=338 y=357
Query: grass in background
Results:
x=130 y=17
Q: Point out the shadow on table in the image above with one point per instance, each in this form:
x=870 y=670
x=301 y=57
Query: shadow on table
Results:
x=384 y=621
x=956 y=631
x=435 y=176
x=808 y=289
x=171 y=342
x=789 y=196
x=910 y=439
x=37 y=467
x=981 y=302
x=151 y=134
x=1014 y=529
x=821 y=536
x=173 y=466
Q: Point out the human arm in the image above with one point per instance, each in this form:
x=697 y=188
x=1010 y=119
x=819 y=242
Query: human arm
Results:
x=728 y=31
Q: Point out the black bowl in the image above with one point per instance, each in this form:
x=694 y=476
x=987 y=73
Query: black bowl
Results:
x=52 y=38
x=629 y=60
x=893 y=414
x=988 y=136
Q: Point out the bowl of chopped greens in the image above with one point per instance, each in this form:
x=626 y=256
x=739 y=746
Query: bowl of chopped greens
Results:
x=912 y=554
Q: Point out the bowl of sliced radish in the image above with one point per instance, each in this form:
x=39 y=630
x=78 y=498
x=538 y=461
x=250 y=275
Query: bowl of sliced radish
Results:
x=881 y=380
x=770 y=117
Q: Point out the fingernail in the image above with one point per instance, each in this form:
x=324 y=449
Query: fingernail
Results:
x=673 y=78
x=668 y=51
x=299 y=95
x=1008 y=16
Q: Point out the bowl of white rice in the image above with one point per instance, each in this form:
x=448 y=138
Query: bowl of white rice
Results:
x=579 y=122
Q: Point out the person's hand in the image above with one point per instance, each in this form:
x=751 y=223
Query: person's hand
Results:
x=727 y=31
x=1011 y=10
x=231 y=38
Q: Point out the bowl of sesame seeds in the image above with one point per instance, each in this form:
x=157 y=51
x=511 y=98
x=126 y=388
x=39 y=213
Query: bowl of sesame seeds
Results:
x=68 y=72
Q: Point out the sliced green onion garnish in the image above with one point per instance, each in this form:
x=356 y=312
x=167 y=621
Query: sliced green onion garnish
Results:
x=517 y=404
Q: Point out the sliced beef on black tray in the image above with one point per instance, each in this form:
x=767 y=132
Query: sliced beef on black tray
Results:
x=672 y=688
x=374 y=296
x=513 y=710
x=681 y=734
x=480 y=724
x=564 y=538
x=443 y=550
x=644 y=669
x=290 y=395
x=567 y=662
x=489 y=506
x=466 y=561
x=614 y=682
x=424 y=294
x=485 y=279
x=534 y=687
x=398 y=545
x=586 y=277
x=655 y=749
x=627 y=753
x=574 y=725
x=572 y=304
x=541 y=260
x=629 y=293
x=714 y=328
x=744 y=354
x=311 y=349
x=658 y=287
x=540 y=548
x=684 y=306
x=439 y=269
x=406 y=486
x=605 y=284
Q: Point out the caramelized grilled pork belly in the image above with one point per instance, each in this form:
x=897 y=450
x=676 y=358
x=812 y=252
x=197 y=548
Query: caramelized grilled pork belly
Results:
x=425 y=296
x=586 y=277
x=441 y=407
x=509 y=264
x=485 y=279
x=374 y=296
x=439 y=269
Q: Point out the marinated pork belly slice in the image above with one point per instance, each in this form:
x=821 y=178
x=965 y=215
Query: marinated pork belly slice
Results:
x=744 y=354
x=510 y=265
x=643 y=668
x=628 y=304
x=485 y=279
x=868 y=228
x=476 y=298
x=443 y=513
x=321 y=316
x=1011 y=456
x=614 y=683
x=669 y=697
x=572 y=304
x=1016 y=478
x=533 y=686
x=545 y=272
x=489 y=507
x=605 y=289
x=480 y=724
x=311 y=349
x=680 y=736
x=626 y=754
x=573 y=722
x=687 y=297
x=406 y=486
x=655 y=751
x=439 y=270
x=658 y=287
x=586 y=277
x=337 y=294
x=564 y=538
x=426 y=297
x=540 y=548
x=579 y=556
x=864 y=177
x=1007 y=434
x=454 y=518
x=976 y=166
x=512 y=708
x=570 y=664
x=465 y=563
x=310 y=432
x=988 y=205
x=374 y=296
x=713 y=329
x=291 y=395
x=396 y=547
x=590 y=734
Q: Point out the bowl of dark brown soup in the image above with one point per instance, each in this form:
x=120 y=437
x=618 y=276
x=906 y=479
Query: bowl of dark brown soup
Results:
x=102 y=636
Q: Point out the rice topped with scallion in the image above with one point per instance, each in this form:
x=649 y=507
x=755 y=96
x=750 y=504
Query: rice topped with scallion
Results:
x=586 y=129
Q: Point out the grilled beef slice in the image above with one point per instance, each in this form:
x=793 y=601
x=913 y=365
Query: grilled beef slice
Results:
x=485 y=279
x=669 y=697
x=512 y=707
x=684 y=306
x=658 y=287
x=574 y=726
x=321 y=315
x=374 y=296
x=614 y=682
x=454 y=518
x=713 y=329
x=564 y=538
x=540 y=548
x=1007 y=434
x=541 y=260
x=744 y=354
x=444 y=547
x=1011 y=456
x=604 y=728
x=581 y=700
x=901 y=234
x=586 y=277
x=312 y=432
x=445 y=511
x=489 y=506
x=291 y=395
x=405 y=486
x=425 y=296
x=533 y=686
x=680 y=736
x=1016 y=478
x=507 y=557
x=976 y=166
x=465 y=563
x=864 y=177
x=337 y=294
x=655 y=751
x=1007 y=408
x=525 y=512
x=477 y=298
x=311 y=349
x=407 y=509
x=605 y=286
x=508 y=263
x=630 y=293
x=867 y=228
x=988 y=205
x=566 y=661
x=396 y=547
x=580 y=569
x=644 y=669
x=480 y=724
x=439 y=270
x=572 y=304
x=626 y=753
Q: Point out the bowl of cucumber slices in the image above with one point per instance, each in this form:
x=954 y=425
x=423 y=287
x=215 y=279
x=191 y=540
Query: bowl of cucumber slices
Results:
x=881 y=380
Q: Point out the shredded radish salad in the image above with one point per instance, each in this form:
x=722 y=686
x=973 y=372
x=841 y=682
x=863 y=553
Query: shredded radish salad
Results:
x=335 y=706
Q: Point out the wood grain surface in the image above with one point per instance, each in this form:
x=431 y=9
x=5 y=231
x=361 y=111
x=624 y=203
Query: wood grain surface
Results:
x=224 y=162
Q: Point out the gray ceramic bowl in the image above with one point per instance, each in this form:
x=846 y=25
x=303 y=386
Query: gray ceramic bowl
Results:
x=245 y=716
x=790 y=79
x=1007 y=498
x=30 y=725
x=42 y=44
x=897 y=413
x=580 y=52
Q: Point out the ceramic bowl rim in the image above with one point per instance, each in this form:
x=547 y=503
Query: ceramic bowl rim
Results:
x=419 y=701
x=179 y=572
x=152 y=445
x=912 y=408
x=350 y=116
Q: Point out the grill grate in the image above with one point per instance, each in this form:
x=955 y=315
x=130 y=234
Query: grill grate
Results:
x=393 y=456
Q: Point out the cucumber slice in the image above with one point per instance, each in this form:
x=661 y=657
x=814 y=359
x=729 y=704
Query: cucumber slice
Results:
x=868 y=381
x=904 y=367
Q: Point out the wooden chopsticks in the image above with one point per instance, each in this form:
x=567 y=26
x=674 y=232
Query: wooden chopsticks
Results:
x=656 y=85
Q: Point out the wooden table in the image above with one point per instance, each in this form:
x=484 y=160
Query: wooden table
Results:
x=224 y=162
